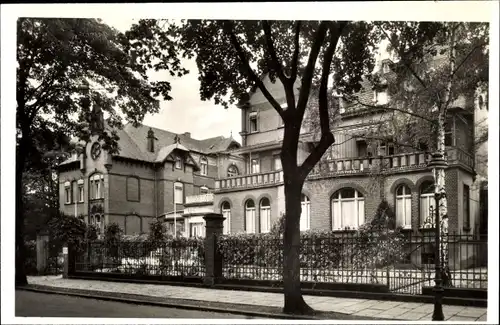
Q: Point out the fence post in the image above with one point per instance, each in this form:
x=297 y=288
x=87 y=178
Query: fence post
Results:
x=42 y=254
x=213 y=260
x=69 y=260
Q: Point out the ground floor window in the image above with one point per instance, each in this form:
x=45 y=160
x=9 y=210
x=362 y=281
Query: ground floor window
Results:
x=305 y=213
x=226 y=213
x=403 y=206
x=348 y=209
x=196 y=229
x=265 y=215
x=249 y=217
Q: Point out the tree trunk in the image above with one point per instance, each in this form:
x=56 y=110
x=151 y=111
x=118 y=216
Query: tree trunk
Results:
x=20 y=274
x=294 y=302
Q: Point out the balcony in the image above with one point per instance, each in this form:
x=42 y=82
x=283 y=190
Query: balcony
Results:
x=200 y=199
x=250 y=181
x=394 y=163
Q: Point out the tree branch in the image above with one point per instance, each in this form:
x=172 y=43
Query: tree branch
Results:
x=467 y=57
x=387 y=108
x=228 y=29
x=272 y=51
x=309 y=71
x=295 y=57
x=405 y=62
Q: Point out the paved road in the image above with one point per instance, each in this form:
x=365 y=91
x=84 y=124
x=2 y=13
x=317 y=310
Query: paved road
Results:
x=33 y=304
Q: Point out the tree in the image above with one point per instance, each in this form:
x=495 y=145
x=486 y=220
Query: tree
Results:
x=232 y=56
x=440 y=68
x=64 y=67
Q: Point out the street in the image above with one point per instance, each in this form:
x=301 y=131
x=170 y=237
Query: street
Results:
x=32 y=304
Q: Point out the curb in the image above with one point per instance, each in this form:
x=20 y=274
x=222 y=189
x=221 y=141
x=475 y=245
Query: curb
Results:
x=170 y=305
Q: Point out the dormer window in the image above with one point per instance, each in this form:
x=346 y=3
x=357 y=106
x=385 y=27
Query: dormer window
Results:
x=253 y=122
x=380 y=97
x=178 y=163
x=385 y=67
x=204 y=166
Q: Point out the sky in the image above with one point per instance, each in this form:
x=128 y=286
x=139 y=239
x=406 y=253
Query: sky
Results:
x=186 y=112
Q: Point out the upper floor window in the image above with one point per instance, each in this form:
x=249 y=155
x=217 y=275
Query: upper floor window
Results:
x=385 y=67
x=380 y=97
x=362 y=148
x=204 y=166
x=81 y=193
x=232 y=170
x=96 y=186
x=348 y=209
x=448 y=136
x=178 y=162
x=67 y=192
x=386 y=148
x=277 y=163
x=255 y=166
x=133 y=189
x=253 y=122
x=178 y=193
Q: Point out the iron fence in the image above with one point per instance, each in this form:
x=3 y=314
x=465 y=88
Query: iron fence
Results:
x=403 y=262
x=175 y=259
x=52 y=252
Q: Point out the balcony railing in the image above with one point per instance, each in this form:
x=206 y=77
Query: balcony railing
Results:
x=202 y=198
x=248 y=181
x=348 y=166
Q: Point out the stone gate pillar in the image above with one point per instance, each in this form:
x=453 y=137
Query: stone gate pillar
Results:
x=42 y=252
x=213 y=260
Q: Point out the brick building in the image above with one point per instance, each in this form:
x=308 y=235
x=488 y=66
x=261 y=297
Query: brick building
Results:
x=353 y=177
x=153 y=175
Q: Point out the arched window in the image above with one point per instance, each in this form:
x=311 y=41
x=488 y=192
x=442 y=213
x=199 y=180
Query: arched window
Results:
x=265 y=215
x=178 y=163
x=96 y=186
x=249 y=217
x=232 y=170
x=226 y=213
x=204 y=166
x=403 y=206
x=348 y=209
x=427 y=204
x=305 y=213
x=67 y=192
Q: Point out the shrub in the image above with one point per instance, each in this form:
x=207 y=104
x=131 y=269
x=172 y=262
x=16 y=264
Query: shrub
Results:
x=64 y=229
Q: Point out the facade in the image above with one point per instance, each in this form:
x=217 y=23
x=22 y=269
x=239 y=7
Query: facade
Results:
x=346 y=187
x=155 y=174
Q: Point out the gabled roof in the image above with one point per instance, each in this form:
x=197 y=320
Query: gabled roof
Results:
x=133 y=144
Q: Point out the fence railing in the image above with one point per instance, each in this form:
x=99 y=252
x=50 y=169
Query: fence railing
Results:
x=402 y=262
x=185 y=258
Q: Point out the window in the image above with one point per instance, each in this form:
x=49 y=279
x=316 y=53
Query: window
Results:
x=74 y=192
x=255 y=166
x=277 y=162
x=348 y=209
x=98 y=222
x=362 y=147
x=265 y=215
x=96 y=186
x=196 y=229
x=67 y=192
x=305 y=213
x=386 y=148
x=226 y=213
x=133 y=193
x=178 y=163
x=249 y=217
x=81 y=193
x=385 y=67
x=178 y=193
x=204 y=166
x=380 y=97
x=232 y=171
x=253 y=122
x=203 y=190
x=448 y=136
x=427 y=204
x=466 y=207
x=403 y=206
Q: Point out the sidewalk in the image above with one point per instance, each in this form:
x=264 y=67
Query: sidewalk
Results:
x=356 y=307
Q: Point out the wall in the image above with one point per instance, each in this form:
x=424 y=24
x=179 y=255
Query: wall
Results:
x=237 y=201
x=225 y=160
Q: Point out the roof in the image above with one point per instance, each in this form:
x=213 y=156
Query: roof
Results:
x=132 y=144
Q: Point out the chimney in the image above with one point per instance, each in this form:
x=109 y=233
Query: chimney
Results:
x=151 y=140
x=187 y=134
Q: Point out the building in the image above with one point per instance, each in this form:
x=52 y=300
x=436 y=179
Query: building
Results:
x=343 y=192
x=155 y=174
